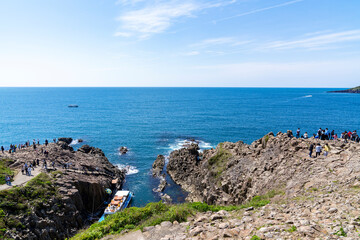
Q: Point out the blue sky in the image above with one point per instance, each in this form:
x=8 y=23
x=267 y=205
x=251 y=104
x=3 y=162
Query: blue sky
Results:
x=227 y=43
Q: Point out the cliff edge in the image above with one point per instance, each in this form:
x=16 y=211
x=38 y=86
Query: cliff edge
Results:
x=67 y=196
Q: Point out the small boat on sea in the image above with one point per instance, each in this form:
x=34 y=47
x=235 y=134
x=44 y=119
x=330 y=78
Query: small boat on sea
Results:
x=73 y=106
x=120 y=201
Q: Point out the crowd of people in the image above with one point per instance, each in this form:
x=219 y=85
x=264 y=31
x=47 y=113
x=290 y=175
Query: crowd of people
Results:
x=13 y=147
x=326 y=134
x=29 y=166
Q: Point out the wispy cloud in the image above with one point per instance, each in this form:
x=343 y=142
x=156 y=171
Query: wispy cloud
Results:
x=229 y=41
x=192 y=53
x=160 y=15
x=317 y=42
x=259 y=10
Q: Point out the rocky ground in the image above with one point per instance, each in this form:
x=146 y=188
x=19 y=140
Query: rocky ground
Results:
x=319 y=197
x=80 y=178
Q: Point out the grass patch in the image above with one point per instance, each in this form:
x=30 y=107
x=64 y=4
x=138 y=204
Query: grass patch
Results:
x=291 y=229
x=218 y=162
x=5 y=170
x=255 y=238
x=155 y=213
x=341 y=232
x=21 y=200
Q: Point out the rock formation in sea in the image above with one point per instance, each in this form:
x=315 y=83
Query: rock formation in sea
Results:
x=157 y=169
x=350 y=90
x=75 y=197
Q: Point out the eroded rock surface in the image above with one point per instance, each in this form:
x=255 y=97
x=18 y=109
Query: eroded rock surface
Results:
x=80 y=177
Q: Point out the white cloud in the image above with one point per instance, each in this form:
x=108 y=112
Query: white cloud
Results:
x=230 y=41
x=260 y=10
x=318 y=42
x=160 y=15
x=122 y=34
x=192 y=53
x=155 y=19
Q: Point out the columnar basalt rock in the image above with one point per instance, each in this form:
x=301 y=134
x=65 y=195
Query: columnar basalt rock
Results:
x=80 y=178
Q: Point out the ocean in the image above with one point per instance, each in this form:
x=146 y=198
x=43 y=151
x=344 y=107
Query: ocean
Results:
x=153 y=121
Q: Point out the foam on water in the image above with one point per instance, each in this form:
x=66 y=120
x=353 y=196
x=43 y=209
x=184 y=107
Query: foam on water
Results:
x=128 y=168
x=74 y=142
x=182 y=143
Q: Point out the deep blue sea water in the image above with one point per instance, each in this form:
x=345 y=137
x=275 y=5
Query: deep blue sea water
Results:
x=152 y=121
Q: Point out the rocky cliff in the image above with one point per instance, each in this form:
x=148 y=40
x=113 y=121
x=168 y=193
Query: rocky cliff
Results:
x=67 y=196
x=316 y=198
x=235 y=172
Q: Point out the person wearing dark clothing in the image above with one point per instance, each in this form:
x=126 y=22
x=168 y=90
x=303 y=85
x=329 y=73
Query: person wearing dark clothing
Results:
x=311 y=148
x=332 y=134
x=46 y=142
x=2 y=149
x=8 y=180
x=298 y=133
x=37 y=162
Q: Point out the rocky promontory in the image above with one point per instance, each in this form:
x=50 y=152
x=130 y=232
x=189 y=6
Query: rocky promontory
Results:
x=350 y=90
x=68 y=195
x=270 y=189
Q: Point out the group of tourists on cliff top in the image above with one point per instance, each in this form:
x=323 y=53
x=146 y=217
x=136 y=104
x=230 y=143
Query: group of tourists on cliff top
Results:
x=325 y=134
x=14 y=147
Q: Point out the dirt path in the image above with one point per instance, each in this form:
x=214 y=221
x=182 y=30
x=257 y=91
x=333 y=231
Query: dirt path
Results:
x=21 y=179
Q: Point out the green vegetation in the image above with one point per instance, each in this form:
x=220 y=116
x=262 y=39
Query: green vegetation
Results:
x=19 y=200
x=5 y=170
x=341 y=232
x=255 y=238
x=218 y=162
x=155 y=213
x=292 y=229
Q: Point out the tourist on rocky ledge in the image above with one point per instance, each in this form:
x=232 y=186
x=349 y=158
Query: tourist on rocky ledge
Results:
x=305 y=136
x=318 y=149
x=311 y=148
x=326 y=149
x=8 y=180
x=2 y=149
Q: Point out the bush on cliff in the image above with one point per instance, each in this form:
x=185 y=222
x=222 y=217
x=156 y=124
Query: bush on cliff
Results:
x=155 y=213
x=218 y=162
x=21 y=200
x=5 y=170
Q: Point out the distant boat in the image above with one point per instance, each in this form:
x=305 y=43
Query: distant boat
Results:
x=73 y=106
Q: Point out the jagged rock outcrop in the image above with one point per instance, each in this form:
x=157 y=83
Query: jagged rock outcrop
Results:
x=80 y=178
x=235 y=172
x=158 y=165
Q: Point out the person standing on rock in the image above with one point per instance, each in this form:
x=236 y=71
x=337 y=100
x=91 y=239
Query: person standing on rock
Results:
x=326 y=149
x=2 y=149
x=29 y=171
x=46 y=142
x=8 y=180
x=318 y=149
x=298 y=133
x=311 y=148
